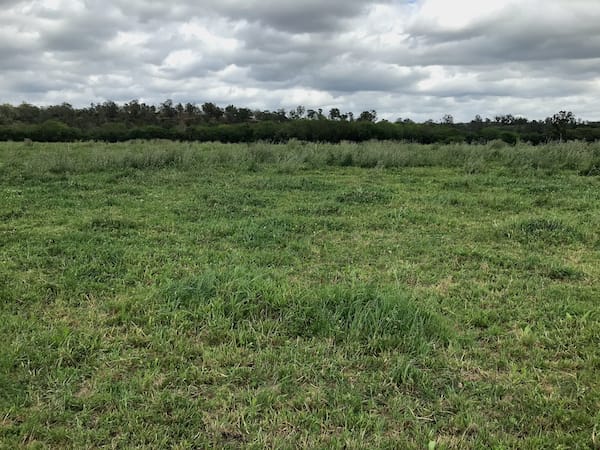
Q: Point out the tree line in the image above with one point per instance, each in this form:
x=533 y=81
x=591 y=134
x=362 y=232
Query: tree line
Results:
x=110 y=121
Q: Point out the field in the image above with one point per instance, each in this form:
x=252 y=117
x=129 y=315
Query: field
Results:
x=380 y=295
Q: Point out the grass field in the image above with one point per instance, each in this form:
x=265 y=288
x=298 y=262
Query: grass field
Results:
x=382 y=295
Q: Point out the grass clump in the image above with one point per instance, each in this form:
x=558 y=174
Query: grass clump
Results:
x=113 y=224
x=380 y=321
x=544 y=230
x=358 y=314
x=364 y=196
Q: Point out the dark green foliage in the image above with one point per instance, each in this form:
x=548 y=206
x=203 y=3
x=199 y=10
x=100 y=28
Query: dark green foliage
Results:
x=55 y=131
x=210 y=123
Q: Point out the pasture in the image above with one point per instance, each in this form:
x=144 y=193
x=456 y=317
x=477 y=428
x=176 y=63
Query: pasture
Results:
x=377 y=295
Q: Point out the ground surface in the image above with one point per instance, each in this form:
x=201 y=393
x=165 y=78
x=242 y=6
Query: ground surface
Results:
x=165 y=295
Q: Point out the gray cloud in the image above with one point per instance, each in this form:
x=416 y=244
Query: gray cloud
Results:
x=418 y=59
x=516 y=31
x=297 y=17
x=290 y=16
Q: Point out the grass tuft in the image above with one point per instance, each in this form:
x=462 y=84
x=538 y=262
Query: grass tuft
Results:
x=360 y=313
x=364 y=196
x=349 y=314
x=111 y=224
x=548 y=231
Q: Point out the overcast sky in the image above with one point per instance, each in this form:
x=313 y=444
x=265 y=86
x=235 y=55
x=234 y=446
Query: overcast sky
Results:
x=417 y=59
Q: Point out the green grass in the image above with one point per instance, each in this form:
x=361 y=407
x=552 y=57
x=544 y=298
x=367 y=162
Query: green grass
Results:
x=382 y=295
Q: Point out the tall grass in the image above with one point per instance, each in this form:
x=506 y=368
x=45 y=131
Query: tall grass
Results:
x=26 y=159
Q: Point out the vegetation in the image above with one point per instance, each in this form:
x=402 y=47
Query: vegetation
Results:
x=209 y=122
x=382 y=295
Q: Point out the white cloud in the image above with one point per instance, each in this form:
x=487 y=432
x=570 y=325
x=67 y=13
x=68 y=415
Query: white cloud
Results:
x=419 y=59
x=455 y=15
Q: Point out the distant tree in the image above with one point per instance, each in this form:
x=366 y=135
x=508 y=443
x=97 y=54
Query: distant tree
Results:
x=167 y=109
x=280 y=115
x=7 y=114
x=133 y=120
x=245 y=115
x=237 y=115
x=448 y=119
x=271 y=116
x=520 y=121
x=368 y=116
x=560 y=122
x=63 y=113
x=506 y=119
x=191 y=114
x=212 y=112
x=298 y=113
x=335 y=114
x=231 y=114
x=191 y=109
x=476 y=124
x=110 y=110
x=27 y=113
x=132 y=110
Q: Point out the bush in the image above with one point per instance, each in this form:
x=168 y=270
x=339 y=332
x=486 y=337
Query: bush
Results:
x=54 y=131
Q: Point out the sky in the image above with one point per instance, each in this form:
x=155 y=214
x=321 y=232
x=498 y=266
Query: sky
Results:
x=418 y=59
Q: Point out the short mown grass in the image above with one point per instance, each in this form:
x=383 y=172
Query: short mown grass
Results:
x=377 y=295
